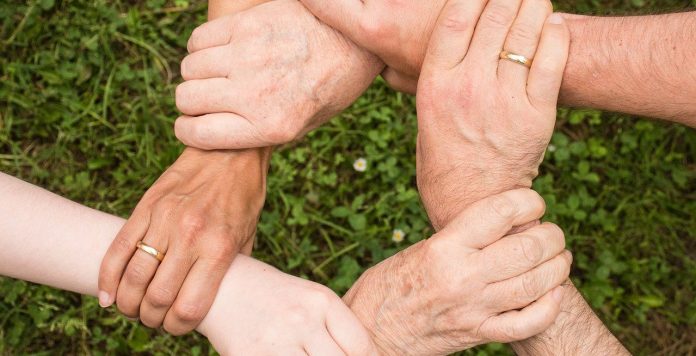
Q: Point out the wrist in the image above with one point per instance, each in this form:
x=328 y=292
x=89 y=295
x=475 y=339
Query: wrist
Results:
x=576 y=331
x=365 y=298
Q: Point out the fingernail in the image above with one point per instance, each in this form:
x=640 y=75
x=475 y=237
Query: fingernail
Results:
x=131 y=319
x=557 y=294
x=556 y=19
x=104 y=299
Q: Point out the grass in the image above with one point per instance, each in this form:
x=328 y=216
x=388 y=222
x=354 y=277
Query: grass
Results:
x=86 y=110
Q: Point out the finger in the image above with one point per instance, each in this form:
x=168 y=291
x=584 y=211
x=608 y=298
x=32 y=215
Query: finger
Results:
x=522 y=290
x=399 y=81
x=516 y=254
x=219 y=131
x=165 y=286
x=139 y=272
x=532 y=320
x=215 y=95
x=196 y=295
x=489 y=219
x=213 y=33
x=119 y=253
x=348 y=332
x=321 y=344
x=212 y=62
x=491 y=31
x=523 y=39
x=346 y=16
x=546 y=74
x=451 y=36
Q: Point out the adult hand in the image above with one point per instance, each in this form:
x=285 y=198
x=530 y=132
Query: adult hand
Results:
x=396 y=31
x=262 y=311
x=266 y=76
x=484 y=123
x=200 y=213
x=464 y=286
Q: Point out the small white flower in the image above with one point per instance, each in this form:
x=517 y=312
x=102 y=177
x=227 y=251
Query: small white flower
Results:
x=398 y=235
x=552 y=148
x=360 y=165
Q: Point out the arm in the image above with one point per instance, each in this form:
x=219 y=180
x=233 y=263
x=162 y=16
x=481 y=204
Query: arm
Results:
x=46 y=239
x=637 y=65
x=204 y=209
x=493 y=134
x=640 y=65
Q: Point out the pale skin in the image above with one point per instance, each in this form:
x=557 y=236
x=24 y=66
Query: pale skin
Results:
x=603 y=71
x=200 y=218
x=259 y=310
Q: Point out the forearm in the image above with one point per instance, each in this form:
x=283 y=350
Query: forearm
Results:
x=576 y=331
x=640 y=65
x=50 y=240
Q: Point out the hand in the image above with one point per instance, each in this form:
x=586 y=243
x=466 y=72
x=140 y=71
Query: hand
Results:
x=396 y=31
x=484 y=123
x=463 y=287
x=262 y=311
x=200 y=213
x=266 y=76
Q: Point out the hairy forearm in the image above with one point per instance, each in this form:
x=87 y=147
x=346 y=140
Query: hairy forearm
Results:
x=640 y=65
x=577 y=331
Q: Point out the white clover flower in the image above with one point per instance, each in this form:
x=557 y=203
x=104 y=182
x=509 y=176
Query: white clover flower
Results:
x=398 y=235
x=551 y=148
x=360 y=165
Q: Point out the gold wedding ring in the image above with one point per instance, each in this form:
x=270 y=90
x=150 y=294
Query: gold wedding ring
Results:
x=150 y=250
x=516 y=58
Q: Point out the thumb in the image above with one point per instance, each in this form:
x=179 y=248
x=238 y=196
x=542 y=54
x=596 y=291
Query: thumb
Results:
x=218 y=131
x=489 y=219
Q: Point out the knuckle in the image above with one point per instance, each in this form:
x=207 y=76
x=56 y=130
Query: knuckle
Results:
x=537 y=201
x=530 y=286
x=192 y=225
x=455 y=19
x=555 y=233
x=509 y=332
x=523 y=34
x=137 y=273
x=565 y=263
x=298 y=316
x=125 y=305
x=545 y=5
x=434 y=249
x=532 y=249
x=188 y=312
x=160 y=297
x=498 y=14
x=372 y=27
x=323 y=297
x=503 y=206
x=123 y=244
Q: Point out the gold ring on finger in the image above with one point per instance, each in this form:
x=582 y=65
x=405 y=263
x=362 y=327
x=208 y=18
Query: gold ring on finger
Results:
x=150 y=250
x=516 y=58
